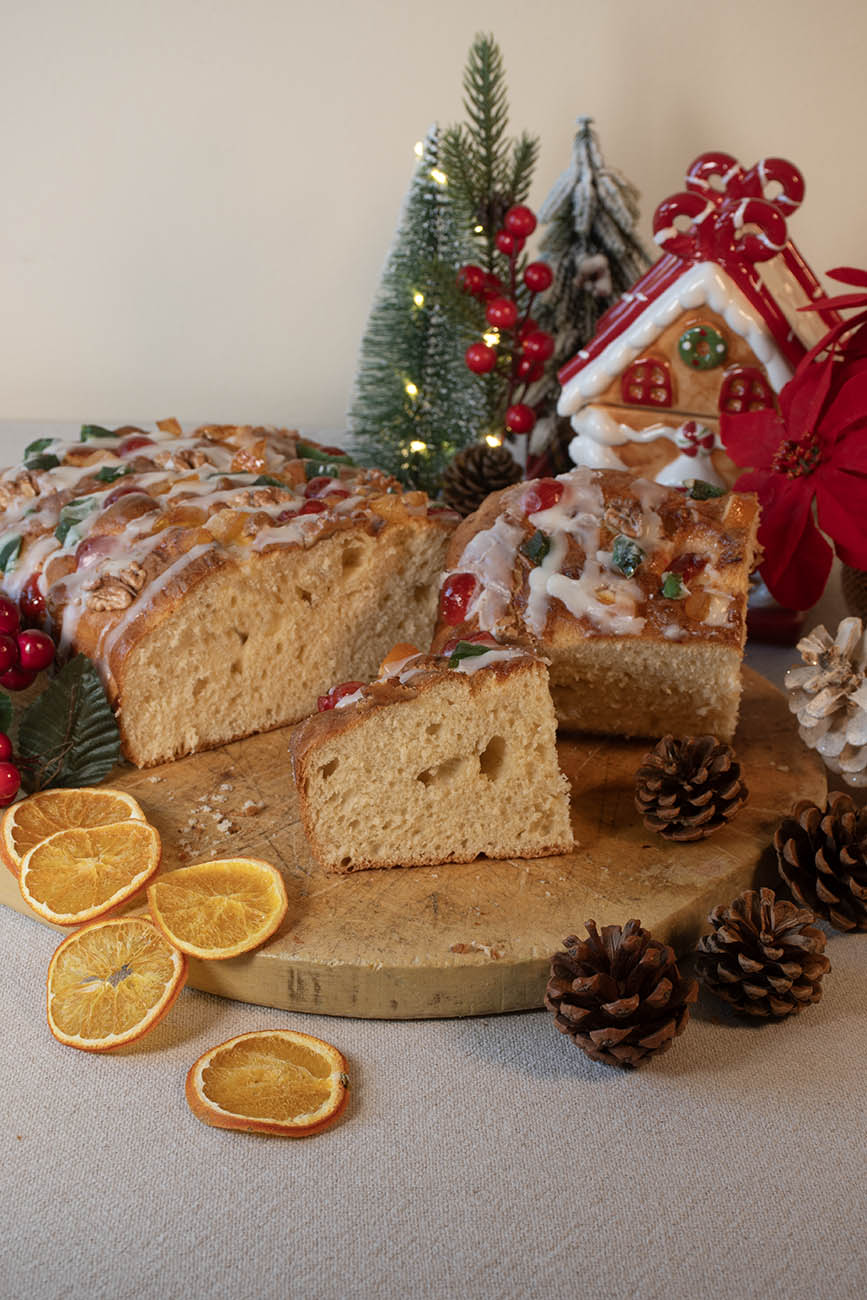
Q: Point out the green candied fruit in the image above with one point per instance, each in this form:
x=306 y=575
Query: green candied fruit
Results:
x=673 y=587
x=9 y=552
x=468 y=650
x=46 y=460
x=626 y=555
x=700 y=490
x=536 y=547
x=108 y=473
x=89 y=432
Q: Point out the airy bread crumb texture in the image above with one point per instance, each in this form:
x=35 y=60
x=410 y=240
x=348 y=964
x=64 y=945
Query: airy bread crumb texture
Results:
x=251 y=646
x=466 y=767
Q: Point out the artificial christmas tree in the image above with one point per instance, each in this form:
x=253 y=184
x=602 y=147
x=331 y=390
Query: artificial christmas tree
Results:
x=415 y=402
x=589 y=240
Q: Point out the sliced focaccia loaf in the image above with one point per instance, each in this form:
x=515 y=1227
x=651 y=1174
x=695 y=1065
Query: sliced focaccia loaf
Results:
x=220 y=580
x=635 y=592
x=442 y=759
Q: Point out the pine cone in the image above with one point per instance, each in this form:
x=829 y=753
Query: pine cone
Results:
x=686 y=788
x=829 y=696
x=619 y=996
x=475 y=473
x=763 y=956
x=822 y=856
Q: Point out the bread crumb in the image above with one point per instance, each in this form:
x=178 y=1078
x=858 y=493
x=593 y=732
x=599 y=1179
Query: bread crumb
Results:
x=250 y=808
x=154 y=779
x=227 y=785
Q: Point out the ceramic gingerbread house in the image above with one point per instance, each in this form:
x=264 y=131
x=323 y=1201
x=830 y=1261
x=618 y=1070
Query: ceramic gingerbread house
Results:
x=713 y=326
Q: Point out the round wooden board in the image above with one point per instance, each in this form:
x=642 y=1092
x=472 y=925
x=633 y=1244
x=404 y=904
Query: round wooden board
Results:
x=469 y=939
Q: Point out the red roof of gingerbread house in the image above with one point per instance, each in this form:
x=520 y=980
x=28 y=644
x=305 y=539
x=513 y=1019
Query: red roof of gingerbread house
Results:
x=726 y=247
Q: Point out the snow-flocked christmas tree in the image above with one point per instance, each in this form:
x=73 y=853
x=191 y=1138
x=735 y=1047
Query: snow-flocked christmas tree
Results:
x=415 y=401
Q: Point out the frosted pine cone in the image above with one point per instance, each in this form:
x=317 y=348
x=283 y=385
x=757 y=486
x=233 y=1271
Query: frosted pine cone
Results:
x=822 y=856
x=763 y=955
x=829 y=696
x=619 y=995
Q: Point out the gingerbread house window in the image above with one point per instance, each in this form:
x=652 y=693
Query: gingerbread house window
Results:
x=647 y=382
x=745 y=389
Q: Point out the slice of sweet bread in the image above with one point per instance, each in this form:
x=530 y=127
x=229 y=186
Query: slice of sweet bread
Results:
x=220 y=580
x=442 y=759
x=635 y=592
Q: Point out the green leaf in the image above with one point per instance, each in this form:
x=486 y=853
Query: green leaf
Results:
x=536 y=547
x=108 y=473
x=91 y=431
x=68 y=735
x=626 y=555
x=10 y=549
x=468 y=650
x=265 y=480
x=673 y=587
x=37 y=445
x=48 y=461
x=699 y=490
x=6 y=713
x=71 y=515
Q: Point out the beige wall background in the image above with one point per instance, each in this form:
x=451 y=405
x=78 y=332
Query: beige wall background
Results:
x=196 y=198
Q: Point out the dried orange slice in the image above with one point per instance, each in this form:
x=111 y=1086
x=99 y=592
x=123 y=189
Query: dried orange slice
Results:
x=81 y=873
x=270 y=1081
x=27 y=823
x=219 y=909
x=111 y=982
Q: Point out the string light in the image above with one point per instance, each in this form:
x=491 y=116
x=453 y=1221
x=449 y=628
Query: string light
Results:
x=492 y=338
x=478 y=230
x=411 y=389
x=417 y=446
x=418 y=148
x=439 y=176
x=492 y=440
x=418 y=299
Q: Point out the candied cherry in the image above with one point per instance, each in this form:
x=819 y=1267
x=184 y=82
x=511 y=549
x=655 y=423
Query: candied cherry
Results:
x=134 y=443
x=688 y=565
x=5 y=747
x=35 y=650
x=314 y=507
x=17 y=679
x=330 y=701
x=10 y=782
x=318 y=484
x=8 y=652
x=285 y=515
x=336 y=494
x=542 y=495
x=9 y=617
x=31 y=602
x=458 y=590
x=474 y=638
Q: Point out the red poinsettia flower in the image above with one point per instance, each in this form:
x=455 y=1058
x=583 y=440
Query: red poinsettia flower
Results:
x=808 y=465
x=855 y=326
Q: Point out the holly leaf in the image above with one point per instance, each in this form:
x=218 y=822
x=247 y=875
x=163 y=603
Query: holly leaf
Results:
x=68 y=736
x=6 y=713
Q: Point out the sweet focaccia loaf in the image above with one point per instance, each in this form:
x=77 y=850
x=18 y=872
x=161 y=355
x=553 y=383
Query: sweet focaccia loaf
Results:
x=442 y=759
x=220 y=580
x=635 y=592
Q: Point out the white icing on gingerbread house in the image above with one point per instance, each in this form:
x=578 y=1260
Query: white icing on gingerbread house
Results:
x=713 y=326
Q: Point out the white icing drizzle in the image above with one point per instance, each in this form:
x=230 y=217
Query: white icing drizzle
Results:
x=490 y=557
x=350 y=699
x=473 y=663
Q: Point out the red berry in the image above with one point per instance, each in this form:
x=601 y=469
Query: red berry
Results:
x=134 y=443
x=5 y=747
x=520 y=221
x=527 y=328
x=529 y=371
x=538 y=277
x=32 y=602
x=493 y=286
x=520 y=418
x=16 y=679
x=35 y=650
x=455 y=597
x=8 y=652
x=318 y=484
x=10 y=782
x=471 y=279
x=329 y=701
x=509 y=245
x=538 y=345
x=688 y=564
x=542 y=495
x=480 y=358
x=9 y=620
x=313 y=507
x=501 y=312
